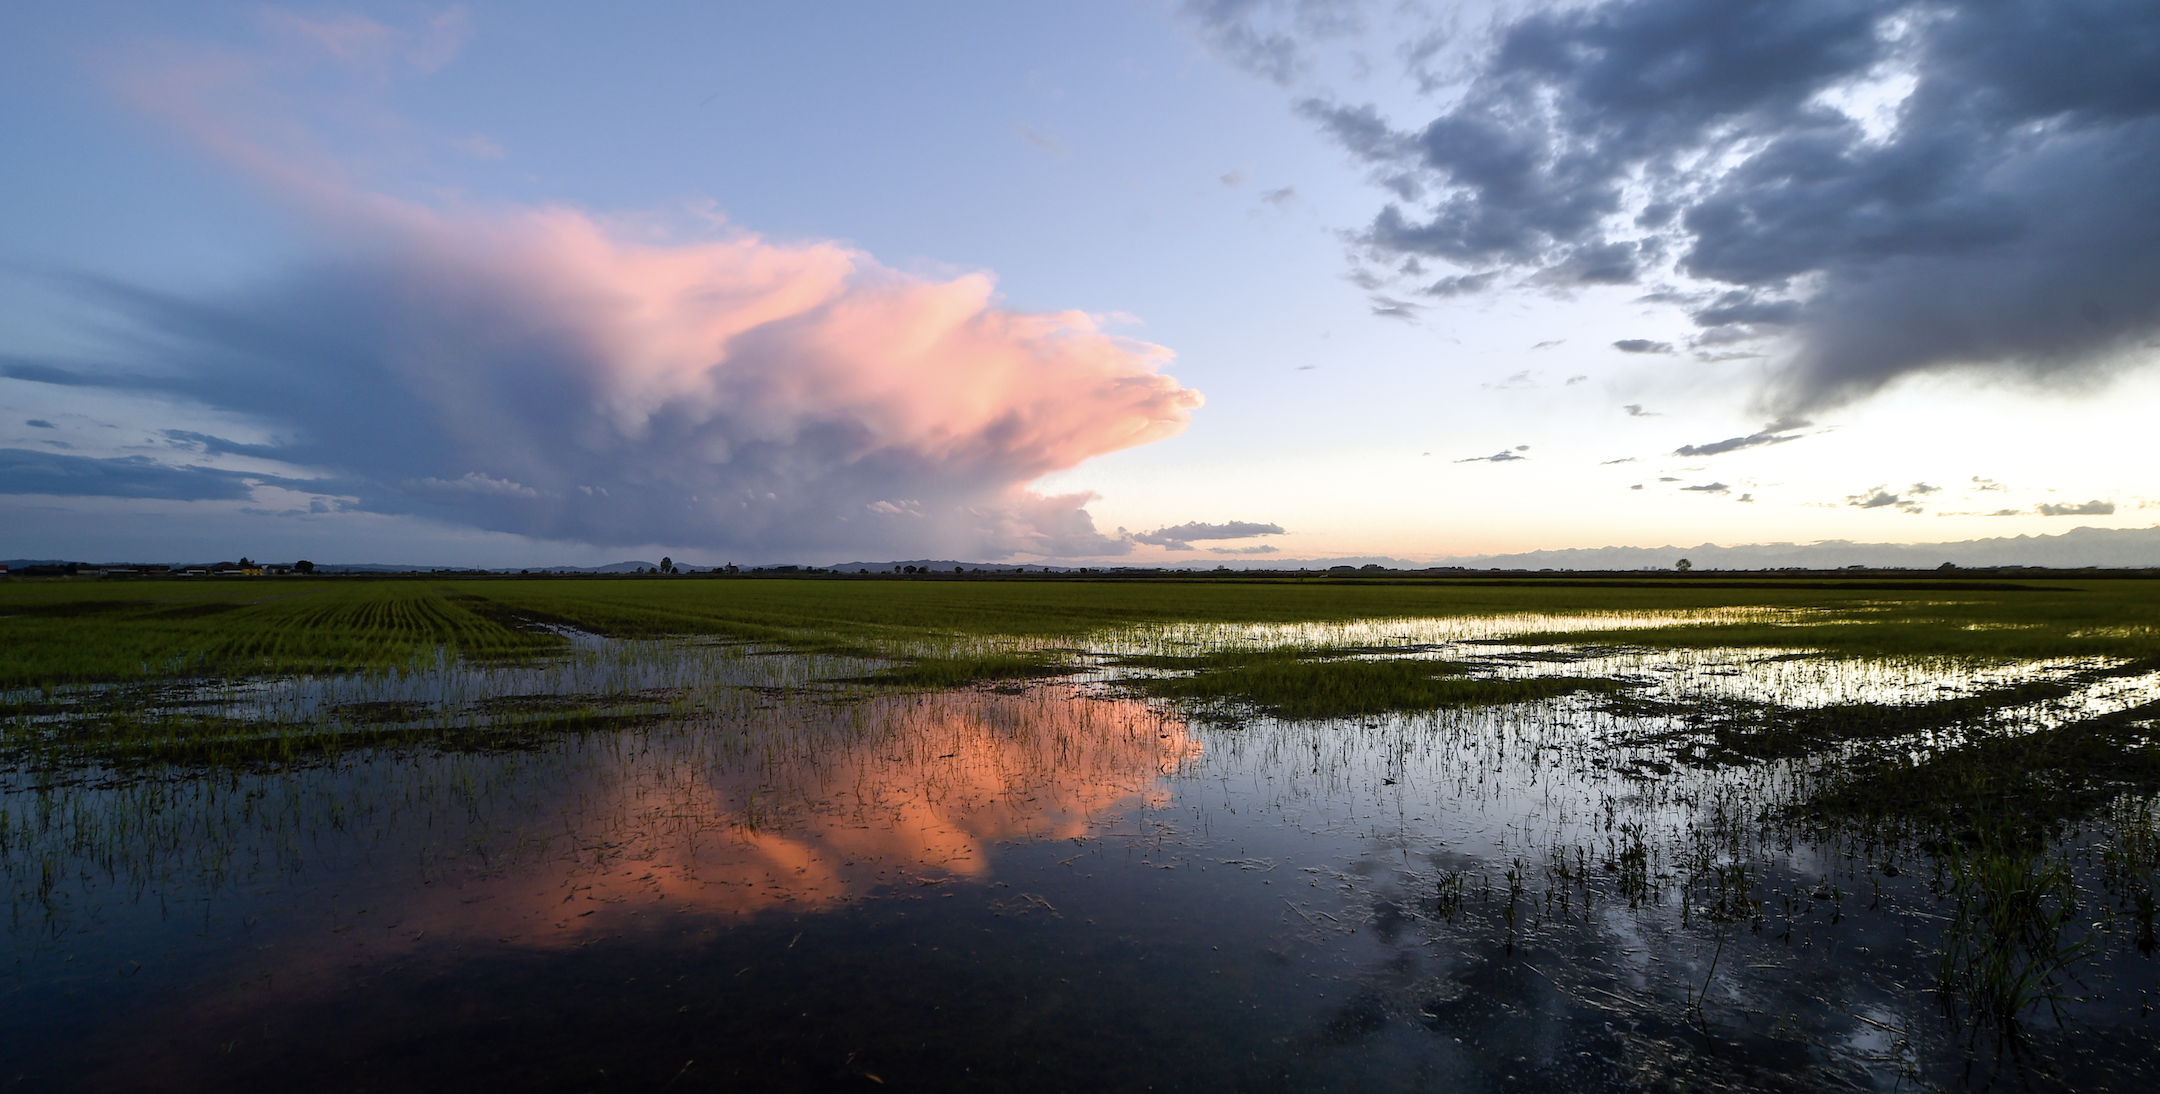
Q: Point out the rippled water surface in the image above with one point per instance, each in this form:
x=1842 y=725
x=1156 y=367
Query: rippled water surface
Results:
x=765 y=882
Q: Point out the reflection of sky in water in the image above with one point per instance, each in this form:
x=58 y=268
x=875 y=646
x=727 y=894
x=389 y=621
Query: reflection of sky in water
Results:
x=1189 y=638
x=1267 y=890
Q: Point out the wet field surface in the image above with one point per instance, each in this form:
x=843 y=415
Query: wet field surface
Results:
x=759 y=881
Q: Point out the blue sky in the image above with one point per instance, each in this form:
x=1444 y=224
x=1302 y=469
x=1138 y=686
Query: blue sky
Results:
x=1128 y=282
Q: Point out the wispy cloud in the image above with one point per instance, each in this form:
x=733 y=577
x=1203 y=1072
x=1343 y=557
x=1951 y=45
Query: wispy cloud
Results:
x=1042 y=140
x=1778 y=432
x=1387 y=307
x=25 y=471
x=361 y=42
x=1880 y=497
x=1504 y=456
x=2094 y=508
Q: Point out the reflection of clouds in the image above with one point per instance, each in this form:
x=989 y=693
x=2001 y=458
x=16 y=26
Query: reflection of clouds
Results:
x=898 y=794
x=805 y=806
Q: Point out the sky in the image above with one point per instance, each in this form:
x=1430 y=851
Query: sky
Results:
x=1125 y=282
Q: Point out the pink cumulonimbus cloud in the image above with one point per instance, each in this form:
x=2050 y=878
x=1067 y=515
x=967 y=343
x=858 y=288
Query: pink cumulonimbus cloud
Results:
x=625 y=386
x=781 y=388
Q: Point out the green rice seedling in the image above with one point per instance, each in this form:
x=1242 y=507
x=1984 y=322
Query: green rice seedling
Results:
x=2005 y=948
x=1450 y=894
x=2130 y=867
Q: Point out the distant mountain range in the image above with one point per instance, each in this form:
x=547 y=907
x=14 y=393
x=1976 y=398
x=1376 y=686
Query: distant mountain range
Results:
x=2112 y=547
x=2078 y=547
x=2136 y=547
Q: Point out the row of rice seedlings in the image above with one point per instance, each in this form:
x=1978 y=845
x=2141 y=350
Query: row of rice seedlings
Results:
x=300 y=628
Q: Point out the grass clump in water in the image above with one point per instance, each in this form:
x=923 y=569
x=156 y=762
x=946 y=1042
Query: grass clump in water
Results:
x=1314 y=684
x=2005 y=949
x=2010 y=789
x=952 y=672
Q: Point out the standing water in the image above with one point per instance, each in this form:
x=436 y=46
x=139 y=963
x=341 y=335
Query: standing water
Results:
x=1063 y=886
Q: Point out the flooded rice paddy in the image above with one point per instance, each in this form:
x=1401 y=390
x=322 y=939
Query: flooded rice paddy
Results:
x=683 y=866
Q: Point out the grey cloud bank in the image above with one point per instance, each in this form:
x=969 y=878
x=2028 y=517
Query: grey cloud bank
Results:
x=1180 y=537
x=1887 y=186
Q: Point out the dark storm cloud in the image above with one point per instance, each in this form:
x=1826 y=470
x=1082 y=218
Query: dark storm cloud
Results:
x=2001 y=215
x=1180 y=537
x=1777 y=432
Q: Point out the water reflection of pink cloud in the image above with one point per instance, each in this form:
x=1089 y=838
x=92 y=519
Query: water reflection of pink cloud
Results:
x=816 y=807
x=833 y=814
